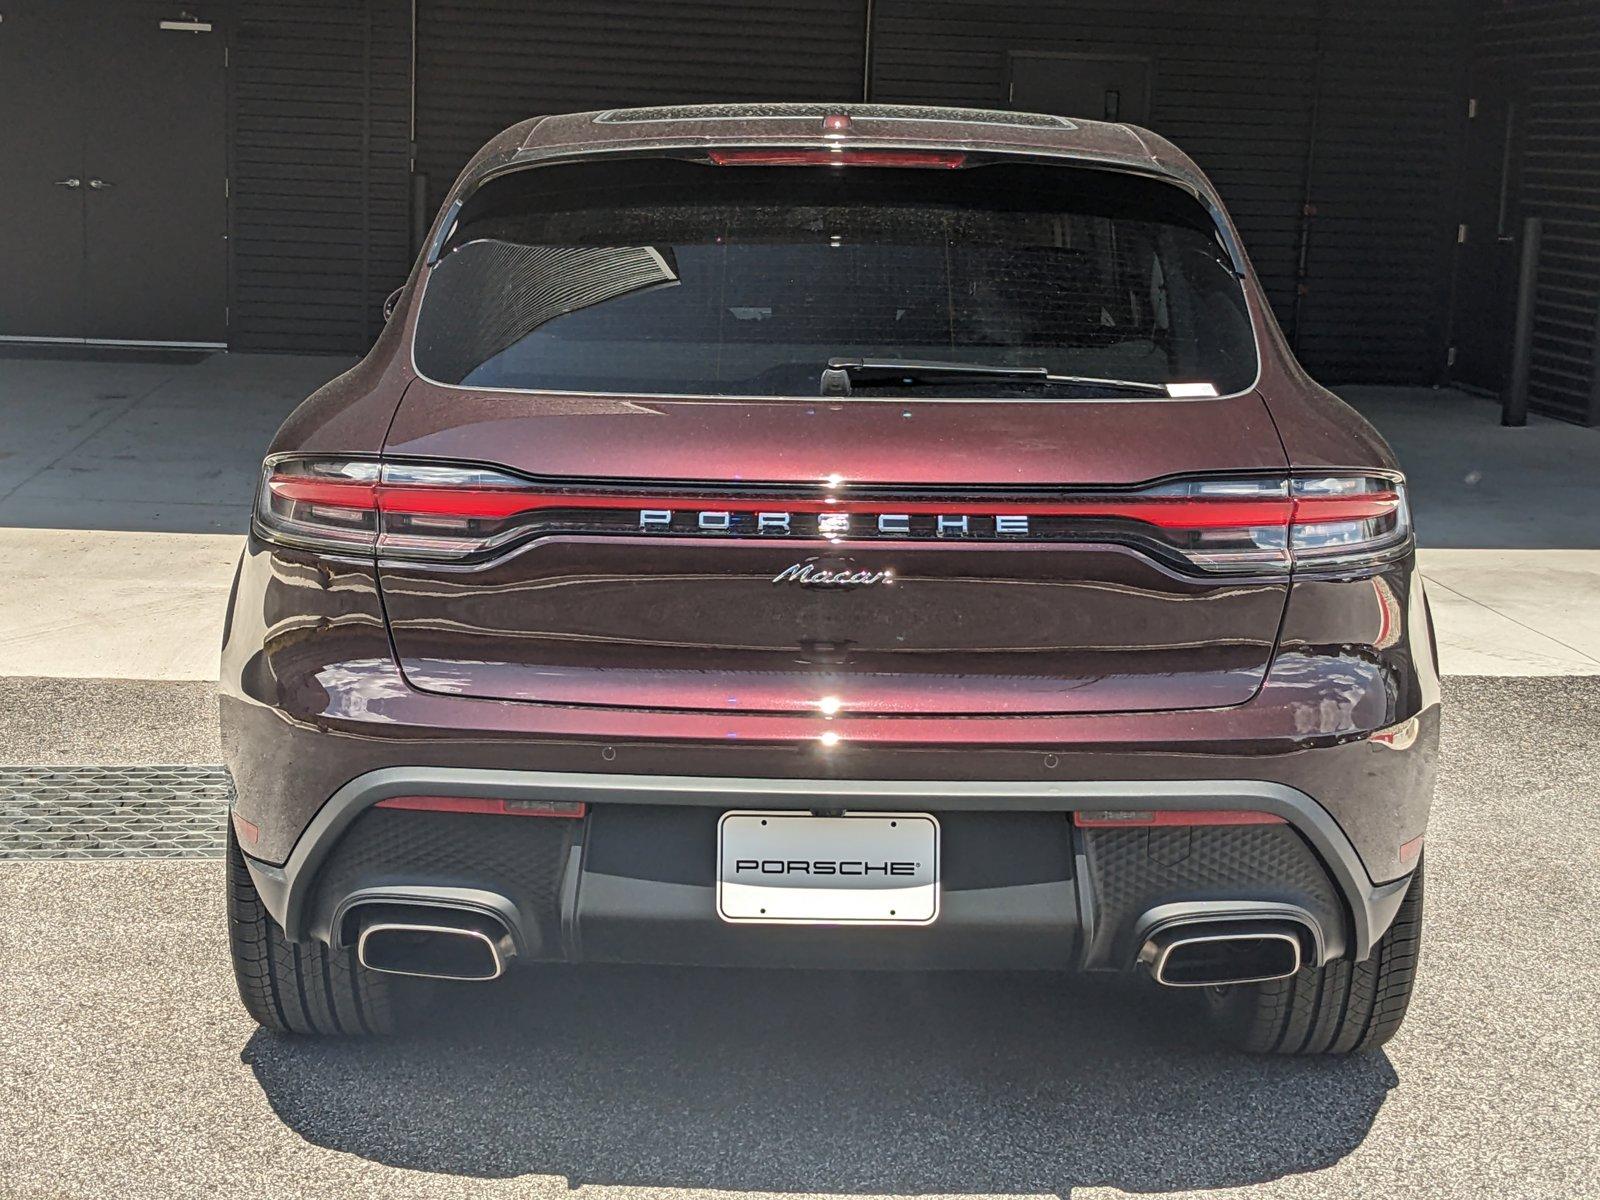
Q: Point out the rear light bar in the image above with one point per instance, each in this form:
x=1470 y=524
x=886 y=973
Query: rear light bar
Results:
x=1141 y=819
x=446 y=512
x=493 y=806
x=835 y=156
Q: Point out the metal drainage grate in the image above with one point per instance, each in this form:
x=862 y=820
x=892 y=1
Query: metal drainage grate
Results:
x=113 y=812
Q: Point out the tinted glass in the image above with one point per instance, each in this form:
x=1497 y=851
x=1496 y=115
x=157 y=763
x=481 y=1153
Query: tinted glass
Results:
x=673 y=277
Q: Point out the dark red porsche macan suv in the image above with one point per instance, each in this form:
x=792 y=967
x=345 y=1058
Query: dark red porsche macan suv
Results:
x=806 y=536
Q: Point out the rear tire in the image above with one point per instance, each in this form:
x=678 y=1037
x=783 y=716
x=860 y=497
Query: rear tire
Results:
x=302 y=988
x=1341 y=1008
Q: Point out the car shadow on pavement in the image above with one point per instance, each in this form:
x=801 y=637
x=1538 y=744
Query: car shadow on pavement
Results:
x=844 y=1083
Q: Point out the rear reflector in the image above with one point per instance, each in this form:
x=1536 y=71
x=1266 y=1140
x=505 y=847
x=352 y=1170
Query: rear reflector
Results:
x=1410 y=850
x=1144 y=819
x=249 y=832
x=487 y=804
x=835 y=156
x=1399 y=737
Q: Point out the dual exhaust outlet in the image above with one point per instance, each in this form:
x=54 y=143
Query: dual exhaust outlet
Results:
x=465 y=945
x=1219 y=953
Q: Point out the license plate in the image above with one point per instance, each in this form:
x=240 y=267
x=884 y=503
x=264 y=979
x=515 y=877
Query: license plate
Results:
x=859 y=869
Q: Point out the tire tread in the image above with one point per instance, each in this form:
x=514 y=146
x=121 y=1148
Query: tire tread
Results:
x=299 y=988
x=1341 y=1008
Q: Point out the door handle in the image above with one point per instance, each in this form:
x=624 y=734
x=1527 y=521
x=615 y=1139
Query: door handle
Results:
x=98 y=184
x=69 y=183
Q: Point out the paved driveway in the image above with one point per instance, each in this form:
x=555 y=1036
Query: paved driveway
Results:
x=130 y=1071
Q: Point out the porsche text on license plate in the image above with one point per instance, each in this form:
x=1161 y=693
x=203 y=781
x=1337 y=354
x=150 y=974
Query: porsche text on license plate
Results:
x=857 y=869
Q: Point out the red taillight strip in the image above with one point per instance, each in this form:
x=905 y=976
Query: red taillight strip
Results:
x=341 y=493
x=1119 y=819
x=800 y=156
x=1316 y=510
x=487 y=804
x=1222 y=512
x=1166 y=514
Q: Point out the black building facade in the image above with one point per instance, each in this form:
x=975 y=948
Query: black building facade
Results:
x=275 y=158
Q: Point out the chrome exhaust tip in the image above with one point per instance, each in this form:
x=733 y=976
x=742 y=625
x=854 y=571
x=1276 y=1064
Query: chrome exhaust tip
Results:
x=1219 y=953
x=438 y=944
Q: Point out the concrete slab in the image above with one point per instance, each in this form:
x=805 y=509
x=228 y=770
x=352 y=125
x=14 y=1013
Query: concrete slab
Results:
x=52 y=407
x=1477 y=484
x=133 y=446
x=1515 y=612
x=94 y=604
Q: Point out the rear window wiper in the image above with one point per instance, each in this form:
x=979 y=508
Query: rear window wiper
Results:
x=911 y=372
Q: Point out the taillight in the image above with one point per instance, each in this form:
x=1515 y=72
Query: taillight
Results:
x=1303 y=521
x=1348 y=518
x=325 y=504
x=1234 y=525
x=1246 y=525
x=405 y=510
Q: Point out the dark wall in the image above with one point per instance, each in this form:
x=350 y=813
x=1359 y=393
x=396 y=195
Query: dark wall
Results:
x=1236 y=95
x=1332 y=128
x=320 y=102
x=321 y=170
x=1382 y=240
x=1553 y=48
x=486 y=64
x=1240 y=85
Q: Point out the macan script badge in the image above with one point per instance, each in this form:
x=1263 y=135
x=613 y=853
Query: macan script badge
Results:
x=837 y=573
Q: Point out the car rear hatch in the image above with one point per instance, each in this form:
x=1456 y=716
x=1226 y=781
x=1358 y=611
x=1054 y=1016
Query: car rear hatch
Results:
x=696 y=436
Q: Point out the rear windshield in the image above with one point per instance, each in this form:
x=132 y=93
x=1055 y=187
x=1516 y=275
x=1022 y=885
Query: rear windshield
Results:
x=663 y=276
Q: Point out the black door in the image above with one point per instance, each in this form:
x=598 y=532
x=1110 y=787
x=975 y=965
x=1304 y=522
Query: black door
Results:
x=1073 y=85
x=41 y=172
x=1487 y=240
x=119 y=110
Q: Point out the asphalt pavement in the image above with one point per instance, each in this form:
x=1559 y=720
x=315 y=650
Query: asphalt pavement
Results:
x=129 y=1070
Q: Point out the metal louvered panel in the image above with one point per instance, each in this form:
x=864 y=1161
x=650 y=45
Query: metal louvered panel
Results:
x=1553 y=47
x=484 y=64
x=1234 y=83
x=320 y=159
x=113 y=812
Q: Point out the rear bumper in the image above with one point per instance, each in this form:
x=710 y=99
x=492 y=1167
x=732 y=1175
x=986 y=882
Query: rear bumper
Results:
x=1023 y=887
x=311 y=699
